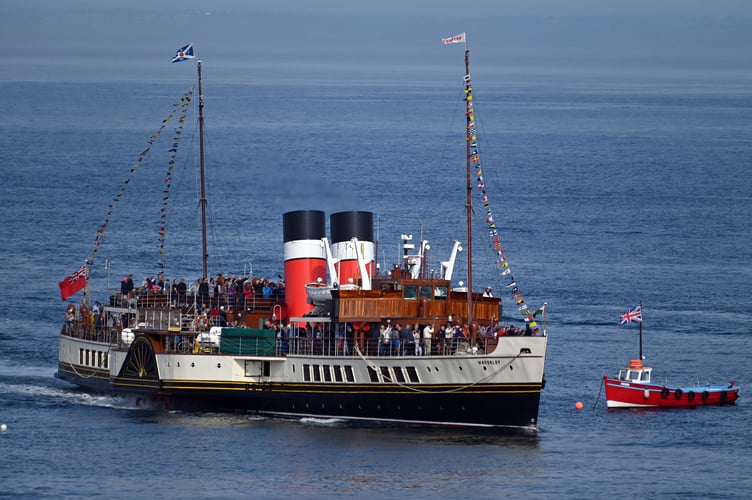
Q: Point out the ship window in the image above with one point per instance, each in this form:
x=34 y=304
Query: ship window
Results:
x=106 y=360
x=349 y=373
x=316 y=373
x=267 y=368
x=373 y=375
x=337 y=373
x=412 y=374
x=646 y=376
x=81 y=356
x=306 y=373
x=327 y=373
x=385 y=374
x=411 y=292
x=440 y=292
x=426 y=292
x=99 y=359
x=88 y=353
x=398 y=375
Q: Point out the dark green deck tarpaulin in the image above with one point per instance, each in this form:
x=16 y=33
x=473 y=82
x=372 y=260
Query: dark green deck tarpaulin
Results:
x=249 y=341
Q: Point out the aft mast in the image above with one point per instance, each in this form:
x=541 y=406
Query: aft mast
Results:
x=469 y=200
x=474 y=167
x=202 y=199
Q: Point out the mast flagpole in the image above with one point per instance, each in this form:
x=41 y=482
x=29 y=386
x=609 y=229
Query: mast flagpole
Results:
x=640 y=331
x=469 y=204
x=202 y=199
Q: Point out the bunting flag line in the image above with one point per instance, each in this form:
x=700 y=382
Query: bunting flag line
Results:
x=480 y=184
x=73 y=283
x=633 y=315
x=184 y=53
x=181 y=104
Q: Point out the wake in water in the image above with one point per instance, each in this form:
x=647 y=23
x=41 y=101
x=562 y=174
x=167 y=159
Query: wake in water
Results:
x=48 y=393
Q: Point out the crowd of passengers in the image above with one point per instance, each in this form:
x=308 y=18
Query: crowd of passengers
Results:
x=231 y=292
x=215 y=299
x=388 y=340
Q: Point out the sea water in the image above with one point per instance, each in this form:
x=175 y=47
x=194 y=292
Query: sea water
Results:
x=609 y=188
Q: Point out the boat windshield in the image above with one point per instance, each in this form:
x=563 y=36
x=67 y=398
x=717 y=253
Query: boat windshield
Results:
x=634 y=375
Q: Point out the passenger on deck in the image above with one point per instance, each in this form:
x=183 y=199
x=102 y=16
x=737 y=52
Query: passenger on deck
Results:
x=203 y=291
x=396 y=339
x=124 y=292
x=222 y=316
x=70 y=318
x=182 y=290
x=214 y=315
x=383 y=336
x=418 y=341
x=427 y=336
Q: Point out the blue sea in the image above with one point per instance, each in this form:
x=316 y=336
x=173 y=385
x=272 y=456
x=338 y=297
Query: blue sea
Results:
x=610 y=187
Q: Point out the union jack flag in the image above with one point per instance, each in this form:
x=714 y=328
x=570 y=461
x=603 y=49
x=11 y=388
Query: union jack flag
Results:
x=633 y=315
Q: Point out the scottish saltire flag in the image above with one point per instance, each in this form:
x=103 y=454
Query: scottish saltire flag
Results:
x=460 y=38
x=633 y=315
x=184 y=53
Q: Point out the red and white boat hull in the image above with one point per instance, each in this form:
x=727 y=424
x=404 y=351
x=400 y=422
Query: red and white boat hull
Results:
x=629 y=394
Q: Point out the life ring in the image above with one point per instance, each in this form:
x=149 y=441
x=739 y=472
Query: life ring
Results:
x=690 y=395
x=664 y=392
x=201 y=322
x=705 y=395
x=678 y=393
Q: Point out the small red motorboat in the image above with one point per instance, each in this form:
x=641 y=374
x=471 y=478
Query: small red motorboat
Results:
x=632 y=387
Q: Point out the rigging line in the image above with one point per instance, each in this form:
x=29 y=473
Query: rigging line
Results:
x=599 y=393
x=75 y=370
x=423 y=391
x=174 y=218
x=219 y=242
x=450 y=138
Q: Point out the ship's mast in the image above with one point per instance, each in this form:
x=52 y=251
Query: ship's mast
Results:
x=202 y=200
x=469 y=204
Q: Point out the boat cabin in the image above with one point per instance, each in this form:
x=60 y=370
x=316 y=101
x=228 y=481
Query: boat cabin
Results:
x=635 y=373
